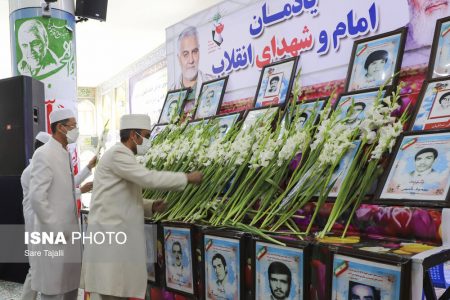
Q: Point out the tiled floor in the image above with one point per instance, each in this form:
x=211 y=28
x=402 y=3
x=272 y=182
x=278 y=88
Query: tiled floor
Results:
x=12 y=291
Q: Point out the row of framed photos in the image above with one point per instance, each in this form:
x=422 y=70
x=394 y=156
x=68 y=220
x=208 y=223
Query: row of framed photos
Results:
x=418 y=173
x=374 y=61
x=233 y=265
x=274 y=88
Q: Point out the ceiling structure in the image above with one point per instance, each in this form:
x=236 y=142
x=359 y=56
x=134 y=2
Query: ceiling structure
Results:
x=132 y=29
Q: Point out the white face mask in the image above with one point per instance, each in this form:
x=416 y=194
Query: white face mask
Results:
x=143 y=148
x=72 y=135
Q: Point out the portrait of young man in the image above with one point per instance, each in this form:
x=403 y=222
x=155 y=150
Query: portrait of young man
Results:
x=441 y=106
x=359 y=291
x=355 y=114
x=273 y=86
x=374 y=67
x=178 y=273
x=280 y=277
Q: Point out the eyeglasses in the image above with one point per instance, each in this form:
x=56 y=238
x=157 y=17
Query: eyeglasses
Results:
x=71 y=126
x=146 y=137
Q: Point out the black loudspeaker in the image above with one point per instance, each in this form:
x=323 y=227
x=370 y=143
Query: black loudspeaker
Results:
x=93 y=9
x=22 y=116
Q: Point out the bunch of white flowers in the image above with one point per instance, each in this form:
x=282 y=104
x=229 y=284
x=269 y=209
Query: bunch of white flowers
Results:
x=378 y=116
x=321 y=134
x=338 y=141
x=291 y=146
x=264 y=152
x=387 y=137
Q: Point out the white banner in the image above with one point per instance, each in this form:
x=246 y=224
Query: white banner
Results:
x=238 y=38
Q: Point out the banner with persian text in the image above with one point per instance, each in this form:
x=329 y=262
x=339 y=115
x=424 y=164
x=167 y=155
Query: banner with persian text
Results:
x=238 y=38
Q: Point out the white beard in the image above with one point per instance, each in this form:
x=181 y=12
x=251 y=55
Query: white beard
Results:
x=423 y=25
x=191 y=74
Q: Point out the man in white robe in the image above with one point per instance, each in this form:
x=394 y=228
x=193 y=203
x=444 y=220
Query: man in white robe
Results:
x=115 y=270
x=28 y=214
x=52 y=199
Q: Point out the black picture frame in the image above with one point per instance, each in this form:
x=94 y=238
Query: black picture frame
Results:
x=351 y=85
x=436 y=49
x=204 y=92
x=154 y=133
x=307 y=103
x=263 y=90
x=290 y=246
x=191 y=275
x=259 y=109
x=153 y=271
x=420 y=107
x=404 y=139
x=363 y=95
x=366 y=260
x=180 y=102
x=238 y=117
x=198 y=121
x=223 y=239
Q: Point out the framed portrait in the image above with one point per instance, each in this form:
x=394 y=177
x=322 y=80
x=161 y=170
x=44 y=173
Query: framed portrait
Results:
x=306 y=109
x=439 y=64
x=192 y=124
x=354 y=106
x=342 y=168
x=310 y=109
x=210 y=99
x=151 y=232
x=419 y=171
x=356 y=277
x=223 y=253
x=275 y=83
x=280 y=272
x=178 y=259
x=433 y=107
x=157 y=129
x=252 y=115
x=226 y=122
x=151 y=242
x=376 y=59
x=173 y=105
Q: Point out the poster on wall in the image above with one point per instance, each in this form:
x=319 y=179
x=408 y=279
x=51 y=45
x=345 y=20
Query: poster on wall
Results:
x=354 y=278
x=419 y=170
x=278 y=272
x=240 y=38
x=147 y=90
x=44 y=48
x=222 y=267
x=178 y=257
